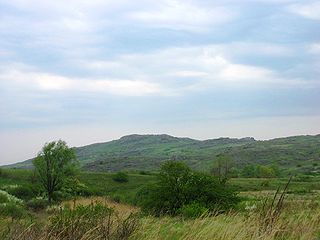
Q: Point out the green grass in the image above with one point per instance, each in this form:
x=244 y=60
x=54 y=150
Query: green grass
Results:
x=257 y=184
x=102 y=184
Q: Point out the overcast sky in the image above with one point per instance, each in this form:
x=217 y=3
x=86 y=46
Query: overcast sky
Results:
x=92 y=71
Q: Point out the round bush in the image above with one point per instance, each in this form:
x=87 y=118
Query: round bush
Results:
x=179 y=186
x=120 y=177
x=37 y=204
x=3 y=198
x=22 y=192
x=12 y=210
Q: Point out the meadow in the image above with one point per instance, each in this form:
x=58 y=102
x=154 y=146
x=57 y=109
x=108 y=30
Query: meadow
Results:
x=257 y=216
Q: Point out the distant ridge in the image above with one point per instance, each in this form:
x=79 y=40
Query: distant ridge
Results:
x=147 y=152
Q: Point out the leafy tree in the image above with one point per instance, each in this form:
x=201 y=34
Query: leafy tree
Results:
x=178 y=187
x=249 y=171
x=54 y=165
x=222 y=167
x=264 y=172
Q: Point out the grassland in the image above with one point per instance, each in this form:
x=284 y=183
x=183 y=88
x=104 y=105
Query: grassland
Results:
x=299 y=217
x=102 y=184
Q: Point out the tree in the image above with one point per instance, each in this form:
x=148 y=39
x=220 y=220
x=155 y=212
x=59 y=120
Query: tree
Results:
x=264 y=172
x=249 y=171
x=54 y=165
x=222 y=167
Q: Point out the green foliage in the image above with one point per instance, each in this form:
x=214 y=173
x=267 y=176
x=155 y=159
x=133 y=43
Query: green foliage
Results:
x=6 y=197
x=13 y=210
x=261 y=171
x=179 y=186
x=121 y=177
x=54 y=165
x=193 y=210
x=222 y=167
x=249 y=171
x=24 y=192
x=37 y=204
x=3 y=198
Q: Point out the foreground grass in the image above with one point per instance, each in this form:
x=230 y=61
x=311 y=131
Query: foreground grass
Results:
x=231 y=226
x=296 y=222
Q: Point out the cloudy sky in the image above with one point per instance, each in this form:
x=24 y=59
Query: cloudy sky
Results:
x=92 y=71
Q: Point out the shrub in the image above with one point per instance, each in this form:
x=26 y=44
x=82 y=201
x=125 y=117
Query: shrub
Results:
x=10 y=198
x=3 y=198
x=22 y=192
x=120 y=177
x=178 y=186
x=37 y=204
x=13 y=210
x=59 y=196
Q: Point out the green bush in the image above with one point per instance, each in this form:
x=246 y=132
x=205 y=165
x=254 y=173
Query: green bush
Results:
x=178 y=186
x=22 y=192
x=12 y=210
x=193 y=210
x=6 y=197
x=59 y=196
x=3 y=198
x=120 y=177
x=37 y=204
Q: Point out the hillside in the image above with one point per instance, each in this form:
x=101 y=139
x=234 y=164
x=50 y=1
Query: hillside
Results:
x=146 y=152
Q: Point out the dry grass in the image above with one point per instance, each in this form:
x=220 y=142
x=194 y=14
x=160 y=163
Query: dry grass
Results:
x=299 y=220
x=82 y=219
x=122 y=210
x=304 y=225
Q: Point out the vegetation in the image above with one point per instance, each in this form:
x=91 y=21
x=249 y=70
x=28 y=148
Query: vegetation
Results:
x=300 y=154
x=178 y=191
x=121 y=177
x=54 y=165
x=295 y=221
x=177 y=202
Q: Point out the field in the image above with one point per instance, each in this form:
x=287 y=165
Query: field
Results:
x=298 y=218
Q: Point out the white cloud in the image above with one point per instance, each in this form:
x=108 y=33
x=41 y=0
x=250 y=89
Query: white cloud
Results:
x=307 y=10
x=193 y=68
x=314 y=48
x=191 y=74
x=29 y=79
x=125 y=87
x=182 y=15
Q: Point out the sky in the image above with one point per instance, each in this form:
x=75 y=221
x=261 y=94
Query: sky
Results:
x=92 y=71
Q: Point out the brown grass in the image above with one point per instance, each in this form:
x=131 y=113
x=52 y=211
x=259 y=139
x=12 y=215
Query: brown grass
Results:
x=122 y=210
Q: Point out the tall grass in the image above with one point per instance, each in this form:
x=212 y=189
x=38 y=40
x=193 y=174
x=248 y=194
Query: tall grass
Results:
x=83 y=222
x=297 y=219
x=303 y=225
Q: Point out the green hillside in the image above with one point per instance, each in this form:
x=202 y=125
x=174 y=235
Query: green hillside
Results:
x=146 y=152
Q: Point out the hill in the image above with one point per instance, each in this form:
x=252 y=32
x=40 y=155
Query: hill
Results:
x=146 y=152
